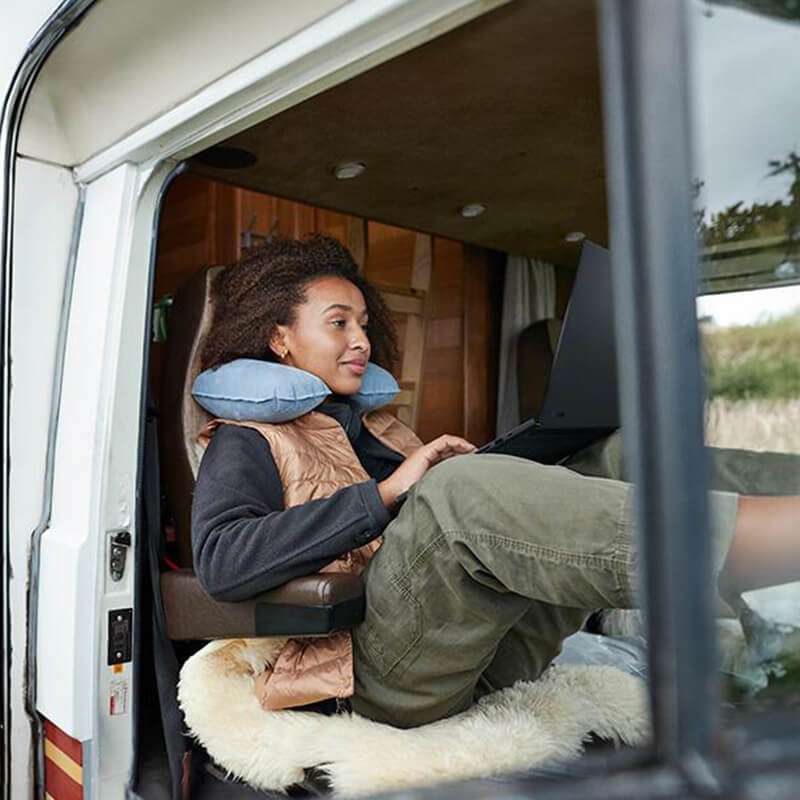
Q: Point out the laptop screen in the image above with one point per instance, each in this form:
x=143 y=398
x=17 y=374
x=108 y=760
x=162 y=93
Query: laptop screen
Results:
x=582 y=392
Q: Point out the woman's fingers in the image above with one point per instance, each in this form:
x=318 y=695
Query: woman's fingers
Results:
x=447 y=446
x=416 y=465
x=449 y=439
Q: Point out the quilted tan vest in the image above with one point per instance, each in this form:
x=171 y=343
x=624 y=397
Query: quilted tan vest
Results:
x=314 y=459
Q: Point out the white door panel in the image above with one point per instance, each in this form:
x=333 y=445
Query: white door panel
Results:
x=45 y=199
x=70 y=548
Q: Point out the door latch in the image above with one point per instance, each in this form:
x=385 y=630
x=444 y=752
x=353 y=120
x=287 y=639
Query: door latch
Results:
x=120 y=542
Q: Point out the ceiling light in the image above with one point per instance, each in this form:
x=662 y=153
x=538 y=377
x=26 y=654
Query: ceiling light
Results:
x=472 y=210
x=574 y=236
x=349 y=169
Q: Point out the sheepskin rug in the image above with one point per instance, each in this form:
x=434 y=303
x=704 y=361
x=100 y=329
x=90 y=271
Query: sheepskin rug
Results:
x=526 y=725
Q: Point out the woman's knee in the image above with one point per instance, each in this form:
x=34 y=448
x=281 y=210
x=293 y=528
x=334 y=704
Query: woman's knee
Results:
x=455 y=475
x=480 y=480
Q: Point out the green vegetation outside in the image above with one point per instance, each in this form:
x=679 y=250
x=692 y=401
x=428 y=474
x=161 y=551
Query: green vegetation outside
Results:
x=754 y=361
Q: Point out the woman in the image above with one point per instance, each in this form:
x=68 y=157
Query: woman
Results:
x=492 y=560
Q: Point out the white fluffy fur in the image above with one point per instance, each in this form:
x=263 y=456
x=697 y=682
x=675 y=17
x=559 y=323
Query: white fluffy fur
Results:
x=517 y=728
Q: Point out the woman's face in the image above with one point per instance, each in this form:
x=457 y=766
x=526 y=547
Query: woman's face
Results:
x=328 y=337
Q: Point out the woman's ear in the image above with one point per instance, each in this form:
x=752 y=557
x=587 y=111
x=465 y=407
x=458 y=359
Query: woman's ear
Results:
x=277 y=343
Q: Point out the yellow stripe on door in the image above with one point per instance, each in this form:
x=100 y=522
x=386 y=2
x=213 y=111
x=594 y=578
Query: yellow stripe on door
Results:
x=63 y=761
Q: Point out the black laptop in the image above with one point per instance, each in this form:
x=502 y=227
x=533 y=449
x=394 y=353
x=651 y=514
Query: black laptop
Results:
x=580 y=403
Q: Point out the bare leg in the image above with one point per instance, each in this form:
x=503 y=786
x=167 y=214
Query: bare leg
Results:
x=766 y=545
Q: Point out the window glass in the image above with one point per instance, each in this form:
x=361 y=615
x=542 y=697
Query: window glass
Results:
x=746 y=60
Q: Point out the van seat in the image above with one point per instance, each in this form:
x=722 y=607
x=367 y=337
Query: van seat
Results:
x=181 y=418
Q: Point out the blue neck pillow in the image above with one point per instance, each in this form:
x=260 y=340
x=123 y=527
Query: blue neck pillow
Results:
x=263 y=391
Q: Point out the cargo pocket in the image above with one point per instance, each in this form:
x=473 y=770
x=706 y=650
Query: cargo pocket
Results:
x=390 y=634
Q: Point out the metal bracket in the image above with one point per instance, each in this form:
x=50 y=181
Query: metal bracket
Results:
x=117 y=554
x=249 y=236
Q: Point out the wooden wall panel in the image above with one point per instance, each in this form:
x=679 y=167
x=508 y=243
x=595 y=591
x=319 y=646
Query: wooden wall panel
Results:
x=187 y=237
x=398 y=262
x=483 y=295
x=390 y=255
x=223 y=208
x=261 y=215
x=442 y=403
x=184 y=235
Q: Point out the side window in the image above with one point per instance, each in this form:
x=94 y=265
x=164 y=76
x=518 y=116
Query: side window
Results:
x=747 y=212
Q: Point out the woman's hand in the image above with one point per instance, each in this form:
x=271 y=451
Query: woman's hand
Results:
x=419 y=462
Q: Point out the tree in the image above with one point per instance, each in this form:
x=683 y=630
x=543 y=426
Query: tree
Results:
x=790 y=164
x=738 y=222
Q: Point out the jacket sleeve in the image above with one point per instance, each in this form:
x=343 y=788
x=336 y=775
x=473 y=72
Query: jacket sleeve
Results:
x=245 y=542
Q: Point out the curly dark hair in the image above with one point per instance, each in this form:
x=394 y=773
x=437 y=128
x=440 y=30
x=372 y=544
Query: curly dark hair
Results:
x=262 y=290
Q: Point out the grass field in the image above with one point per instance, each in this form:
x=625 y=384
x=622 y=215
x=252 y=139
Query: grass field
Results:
x=754 y=361
x=753 y=376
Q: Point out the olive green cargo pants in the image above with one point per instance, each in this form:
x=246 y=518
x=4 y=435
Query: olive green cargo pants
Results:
x=494 y=560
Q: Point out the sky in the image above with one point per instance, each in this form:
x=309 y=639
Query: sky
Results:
x=746 y=74
x=746 y=308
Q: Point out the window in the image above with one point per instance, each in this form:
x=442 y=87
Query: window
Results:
x=747 y=211
x=648 y=92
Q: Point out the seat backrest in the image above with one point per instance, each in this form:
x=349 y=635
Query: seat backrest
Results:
x=536 y=348
x=181 y=419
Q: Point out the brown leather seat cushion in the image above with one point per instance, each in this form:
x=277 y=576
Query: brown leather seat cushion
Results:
x=181 y=418
x=310 y=606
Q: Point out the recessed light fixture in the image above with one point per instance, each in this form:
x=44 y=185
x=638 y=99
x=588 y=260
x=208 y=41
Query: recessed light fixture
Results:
x=472 y=210
x=574 y=236
x=349 y=169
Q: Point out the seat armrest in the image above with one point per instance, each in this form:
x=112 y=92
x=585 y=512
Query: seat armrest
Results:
x=314 y=605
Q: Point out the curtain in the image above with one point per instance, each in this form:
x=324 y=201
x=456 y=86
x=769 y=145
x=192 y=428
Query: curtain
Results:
x=529 y=295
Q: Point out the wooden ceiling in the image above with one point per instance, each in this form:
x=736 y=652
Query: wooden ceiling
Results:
x=504 y=111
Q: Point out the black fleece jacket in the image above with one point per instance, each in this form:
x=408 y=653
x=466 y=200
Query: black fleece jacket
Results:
x=245 y=541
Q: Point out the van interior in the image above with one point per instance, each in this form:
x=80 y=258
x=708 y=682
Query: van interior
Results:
x=431 y=168
x=402 y=164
